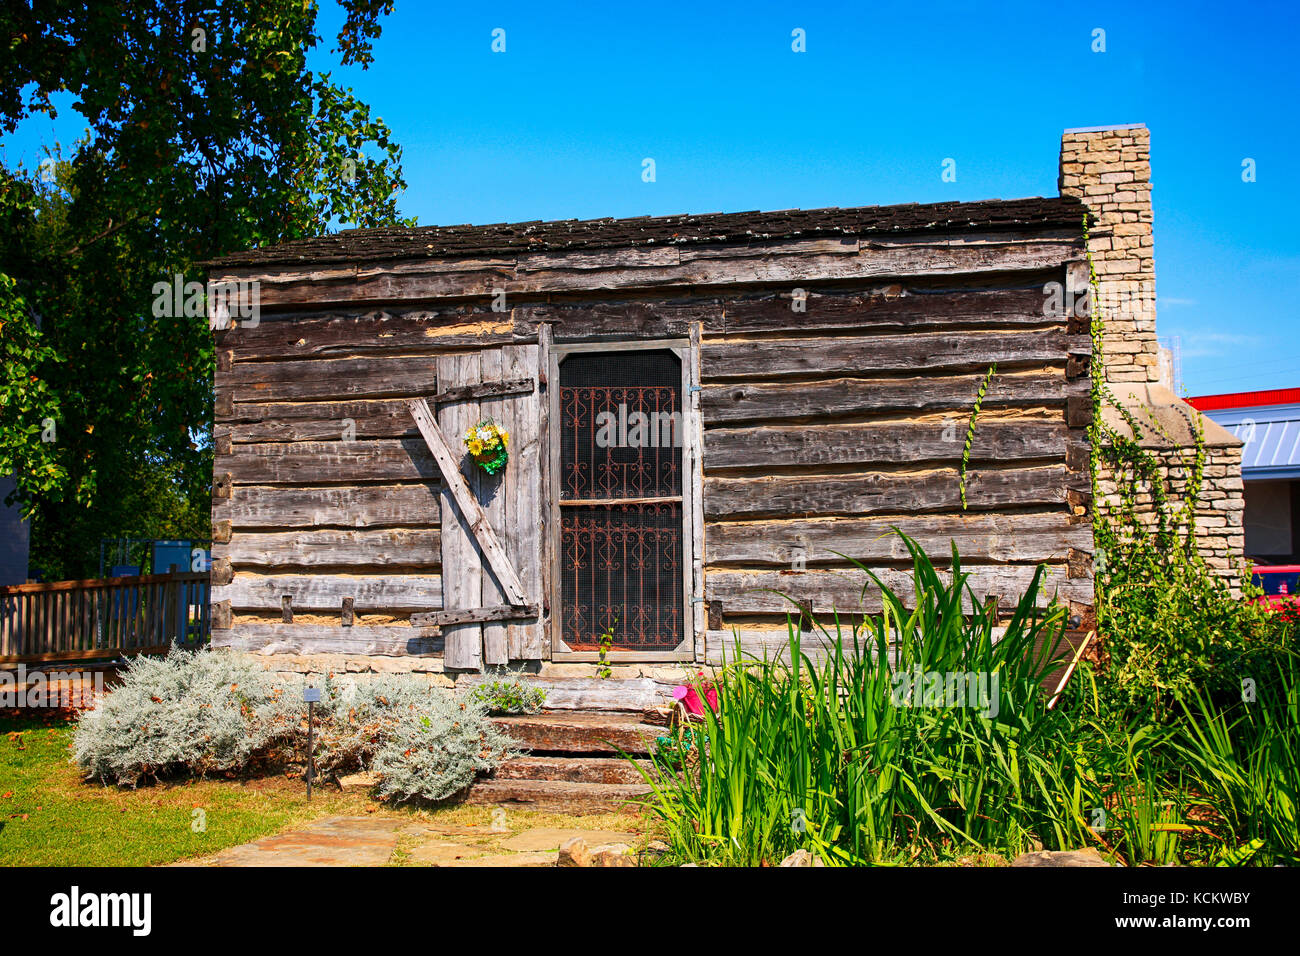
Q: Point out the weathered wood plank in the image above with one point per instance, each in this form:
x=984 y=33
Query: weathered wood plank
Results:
x=584 y=271
x=890 y=308
x=770 y=592
x=397 y=640
x=98 y=654
x=721 y=645
x=321 y=272
x=580 y=733
x=887 y=492
x=882 y=353
x=393 y=593
x=350 y=462
x=321 y=378
x=1013 y=538
x=883 y=308
x=371 y=548
x=547 y=454
x=462 y=586
x=822 y=400
x=316 y=421
x=598 y=260
x=887 y=306
x=573 y=769
x=524 y=512
x=260 y=506
x=487 y=389
x=585 y=321
x=881 y=443
x=360 y=332
x=478 y=615
x=873 y=260
x=45 y=587
x=664 y=253
x=493 y=493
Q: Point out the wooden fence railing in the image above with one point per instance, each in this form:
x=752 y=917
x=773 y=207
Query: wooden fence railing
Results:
x=82 y=620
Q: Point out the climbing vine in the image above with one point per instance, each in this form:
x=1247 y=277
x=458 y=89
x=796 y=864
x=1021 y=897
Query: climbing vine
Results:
x=603 y=670
x=1167 y=620
x=970 y=430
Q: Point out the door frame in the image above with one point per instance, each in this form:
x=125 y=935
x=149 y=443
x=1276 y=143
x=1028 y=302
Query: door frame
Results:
x=687 y=353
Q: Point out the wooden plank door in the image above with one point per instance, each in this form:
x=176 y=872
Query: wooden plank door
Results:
x=510 y=500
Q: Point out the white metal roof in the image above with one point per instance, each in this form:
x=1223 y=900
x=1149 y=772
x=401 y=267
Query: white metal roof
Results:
x=1271 y=436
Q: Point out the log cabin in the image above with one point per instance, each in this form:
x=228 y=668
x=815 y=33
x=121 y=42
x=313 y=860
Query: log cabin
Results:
x=705 y=413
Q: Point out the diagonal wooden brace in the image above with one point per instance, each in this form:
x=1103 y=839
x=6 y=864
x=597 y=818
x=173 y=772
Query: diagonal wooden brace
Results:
x=505 y=572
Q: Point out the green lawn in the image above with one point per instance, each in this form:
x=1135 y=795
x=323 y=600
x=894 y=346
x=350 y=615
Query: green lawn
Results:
x=50 y=817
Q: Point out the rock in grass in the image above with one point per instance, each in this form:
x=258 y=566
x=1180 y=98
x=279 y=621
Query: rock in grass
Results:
x=802 y=858
x=1086 y=857
x=575 y=852
x=613 y=854
x=552 y=838
x=358 y=781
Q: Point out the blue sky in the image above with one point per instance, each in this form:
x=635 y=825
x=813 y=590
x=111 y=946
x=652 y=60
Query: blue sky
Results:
x=558 y=125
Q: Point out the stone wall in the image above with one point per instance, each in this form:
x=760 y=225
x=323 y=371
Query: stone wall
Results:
x=1220 y=506
x=1109 y=169
x=1219 y=535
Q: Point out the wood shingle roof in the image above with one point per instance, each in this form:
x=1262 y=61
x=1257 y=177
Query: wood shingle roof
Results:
x=435 y=242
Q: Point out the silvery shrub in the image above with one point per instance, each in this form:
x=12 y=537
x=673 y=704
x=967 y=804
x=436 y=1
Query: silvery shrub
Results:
x=435 y=745
x=197 y=712
x=191 y=711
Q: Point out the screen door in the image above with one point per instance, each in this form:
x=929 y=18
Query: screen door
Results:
x=621 y=496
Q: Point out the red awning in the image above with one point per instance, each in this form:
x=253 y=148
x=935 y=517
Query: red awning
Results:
x=1275 y=396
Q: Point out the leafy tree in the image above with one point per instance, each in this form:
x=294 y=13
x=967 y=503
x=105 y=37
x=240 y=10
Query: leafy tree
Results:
x=207 y=134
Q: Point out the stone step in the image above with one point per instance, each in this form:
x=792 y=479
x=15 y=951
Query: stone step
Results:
x=638 y=695
x=584 y=733
x=573 y=769
x=560 y=796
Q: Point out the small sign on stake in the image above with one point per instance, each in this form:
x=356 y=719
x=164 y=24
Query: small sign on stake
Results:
x=310 y=695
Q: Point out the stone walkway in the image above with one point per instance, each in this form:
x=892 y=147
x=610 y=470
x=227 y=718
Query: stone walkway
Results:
x=379 y=841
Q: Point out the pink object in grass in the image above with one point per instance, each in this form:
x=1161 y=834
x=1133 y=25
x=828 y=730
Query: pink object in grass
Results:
x=690 y=698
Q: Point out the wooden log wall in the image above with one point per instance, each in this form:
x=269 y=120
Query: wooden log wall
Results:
x=823 y=426
x=821 y=436
x=324 y=494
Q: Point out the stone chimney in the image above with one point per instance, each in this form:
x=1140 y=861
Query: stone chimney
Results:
x=1109 y=169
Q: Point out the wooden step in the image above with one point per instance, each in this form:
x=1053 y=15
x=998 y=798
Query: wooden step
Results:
x=561 y=796
x=585 y=733
x=573 y=769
